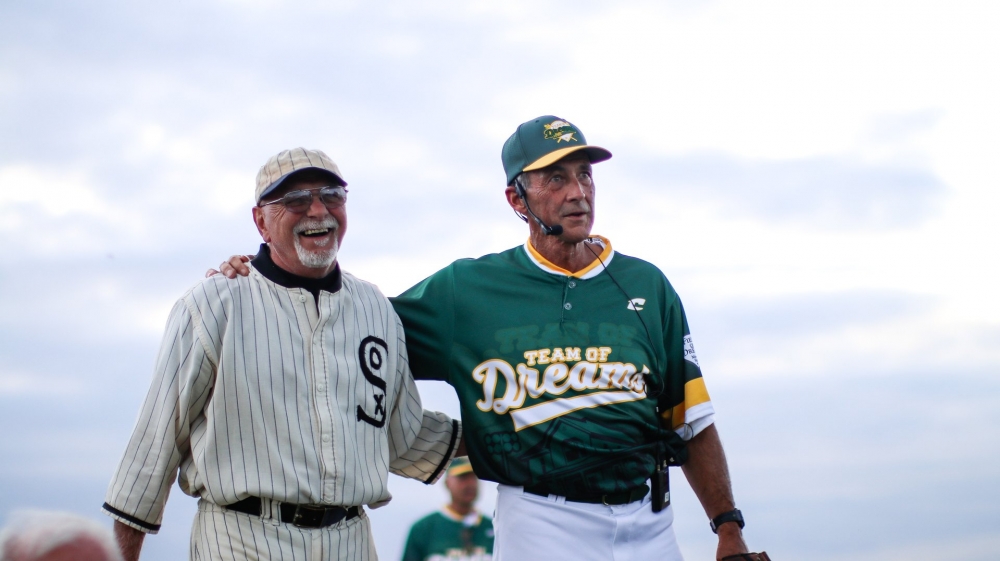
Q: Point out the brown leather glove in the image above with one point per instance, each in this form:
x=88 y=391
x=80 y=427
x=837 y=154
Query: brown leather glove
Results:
x=762 y=556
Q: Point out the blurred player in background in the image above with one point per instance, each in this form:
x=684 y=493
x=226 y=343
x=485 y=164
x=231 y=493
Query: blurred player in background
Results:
x=457 y=532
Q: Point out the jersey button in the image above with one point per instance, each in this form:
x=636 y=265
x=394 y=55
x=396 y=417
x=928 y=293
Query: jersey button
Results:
x=571 y=284
x=326 y=438
x=302 y=298
x=320 y=388
x=568 y=306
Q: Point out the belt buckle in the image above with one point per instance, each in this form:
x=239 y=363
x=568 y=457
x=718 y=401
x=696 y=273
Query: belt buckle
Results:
x=301 y=511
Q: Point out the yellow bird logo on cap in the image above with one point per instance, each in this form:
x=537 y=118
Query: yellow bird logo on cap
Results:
x=553 y=132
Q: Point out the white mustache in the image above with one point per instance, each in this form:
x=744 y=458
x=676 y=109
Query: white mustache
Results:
x=329 y=223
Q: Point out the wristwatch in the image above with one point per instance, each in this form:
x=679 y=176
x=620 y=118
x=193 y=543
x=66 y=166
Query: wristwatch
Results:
x=732 y=516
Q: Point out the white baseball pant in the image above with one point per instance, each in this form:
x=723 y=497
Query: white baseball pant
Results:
x=220 y=534
x=534 y=527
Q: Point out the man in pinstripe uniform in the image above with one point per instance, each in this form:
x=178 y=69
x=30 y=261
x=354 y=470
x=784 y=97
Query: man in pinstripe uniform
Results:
x=282 y=399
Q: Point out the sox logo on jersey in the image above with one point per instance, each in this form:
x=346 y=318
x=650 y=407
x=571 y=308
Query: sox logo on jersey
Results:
x=370 y=357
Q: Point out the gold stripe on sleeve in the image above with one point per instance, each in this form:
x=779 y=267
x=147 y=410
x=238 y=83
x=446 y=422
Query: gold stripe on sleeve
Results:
x=695 y=393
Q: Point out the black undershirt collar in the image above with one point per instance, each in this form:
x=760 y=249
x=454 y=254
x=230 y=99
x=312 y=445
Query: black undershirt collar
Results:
x=263 y=263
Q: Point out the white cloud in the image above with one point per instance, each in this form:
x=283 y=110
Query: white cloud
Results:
x=55 y=194
x=24 y=384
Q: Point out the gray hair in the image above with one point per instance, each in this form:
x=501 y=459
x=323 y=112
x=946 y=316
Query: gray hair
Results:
x=32 y=534
x=523 y=181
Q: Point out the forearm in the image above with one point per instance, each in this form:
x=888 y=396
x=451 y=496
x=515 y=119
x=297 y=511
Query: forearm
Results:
x=129 y=541
x=708 y=473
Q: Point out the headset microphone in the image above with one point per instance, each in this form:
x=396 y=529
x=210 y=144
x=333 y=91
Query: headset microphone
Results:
x=549 y=230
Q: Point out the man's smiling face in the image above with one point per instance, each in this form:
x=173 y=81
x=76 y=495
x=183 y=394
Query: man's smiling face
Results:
x=303 y=243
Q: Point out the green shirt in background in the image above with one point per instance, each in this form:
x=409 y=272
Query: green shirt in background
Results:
x=444 y=536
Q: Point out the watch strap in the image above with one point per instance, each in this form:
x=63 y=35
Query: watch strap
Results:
x=731 y=516
x=762 y=556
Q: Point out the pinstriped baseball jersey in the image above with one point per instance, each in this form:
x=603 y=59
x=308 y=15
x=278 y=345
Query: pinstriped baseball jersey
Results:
x=262 y=390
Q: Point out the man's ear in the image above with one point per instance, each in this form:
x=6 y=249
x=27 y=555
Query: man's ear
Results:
x=514 y=200
x=258 y=219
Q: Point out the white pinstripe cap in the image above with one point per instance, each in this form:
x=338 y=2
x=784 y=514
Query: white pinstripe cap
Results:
x=283 y=164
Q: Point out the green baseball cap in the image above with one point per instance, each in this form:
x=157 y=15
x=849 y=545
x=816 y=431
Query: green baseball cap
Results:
x=542 y=142
x=459 y=466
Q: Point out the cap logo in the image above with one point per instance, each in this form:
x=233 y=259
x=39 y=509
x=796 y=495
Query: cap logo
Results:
x=554 y=131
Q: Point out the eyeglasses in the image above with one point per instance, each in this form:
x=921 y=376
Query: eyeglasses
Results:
x=300 y=200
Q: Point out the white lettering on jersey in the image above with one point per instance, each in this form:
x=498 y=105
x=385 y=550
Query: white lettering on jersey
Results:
x=624 y=380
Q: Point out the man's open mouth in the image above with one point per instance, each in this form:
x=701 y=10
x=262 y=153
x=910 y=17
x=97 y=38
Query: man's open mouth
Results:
x=315 y=233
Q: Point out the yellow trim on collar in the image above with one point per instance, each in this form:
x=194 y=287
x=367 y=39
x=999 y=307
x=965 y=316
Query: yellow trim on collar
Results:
x=557 y=269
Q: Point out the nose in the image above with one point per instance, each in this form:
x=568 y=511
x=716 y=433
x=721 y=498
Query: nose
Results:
x=577 y=190
x=316 y=207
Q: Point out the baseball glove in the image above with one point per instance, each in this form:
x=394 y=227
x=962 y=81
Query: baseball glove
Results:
x=762 y=556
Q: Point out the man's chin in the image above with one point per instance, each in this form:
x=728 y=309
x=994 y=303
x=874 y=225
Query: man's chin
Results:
x=318 y=263
x=316 y=259
x=575 y=235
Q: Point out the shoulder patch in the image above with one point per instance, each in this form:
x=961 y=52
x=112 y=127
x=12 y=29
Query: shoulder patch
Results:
x=689 y=354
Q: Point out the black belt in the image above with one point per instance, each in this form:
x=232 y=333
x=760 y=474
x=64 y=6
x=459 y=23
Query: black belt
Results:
x=303 y=516
x=621 y=498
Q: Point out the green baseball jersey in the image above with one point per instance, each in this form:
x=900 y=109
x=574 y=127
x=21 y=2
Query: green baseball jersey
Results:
x=445 y=536
x=567 y=380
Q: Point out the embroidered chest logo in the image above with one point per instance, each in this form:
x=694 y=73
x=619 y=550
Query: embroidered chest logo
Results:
x=560 y=131
x=636 y=304
x=549 y=373
x=372 y=357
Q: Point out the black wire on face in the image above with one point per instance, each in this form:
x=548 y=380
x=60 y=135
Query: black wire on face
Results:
x=521 y=193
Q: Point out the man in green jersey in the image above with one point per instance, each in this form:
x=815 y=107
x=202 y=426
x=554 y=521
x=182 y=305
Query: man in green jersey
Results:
x=458 y=532
x=575 y=372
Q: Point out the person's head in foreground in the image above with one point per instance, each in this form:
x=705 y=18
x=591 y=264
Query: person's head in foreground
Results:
x=56 y=536
x=301 y=211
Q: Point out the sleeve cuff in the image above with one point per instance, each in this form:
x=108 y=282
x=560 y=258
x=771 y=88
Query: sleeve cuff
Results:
x=456 y=437
x=129 y=520
x=696 y=419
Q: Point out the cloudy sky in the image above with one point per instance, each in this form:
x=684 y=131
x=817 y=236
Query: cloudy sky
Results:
x=818 y=181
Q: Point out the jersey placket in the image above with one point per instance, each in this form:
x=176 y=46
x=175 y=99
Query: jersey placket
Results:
x=324 y=374
x=567 y=299
x=316 y=317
